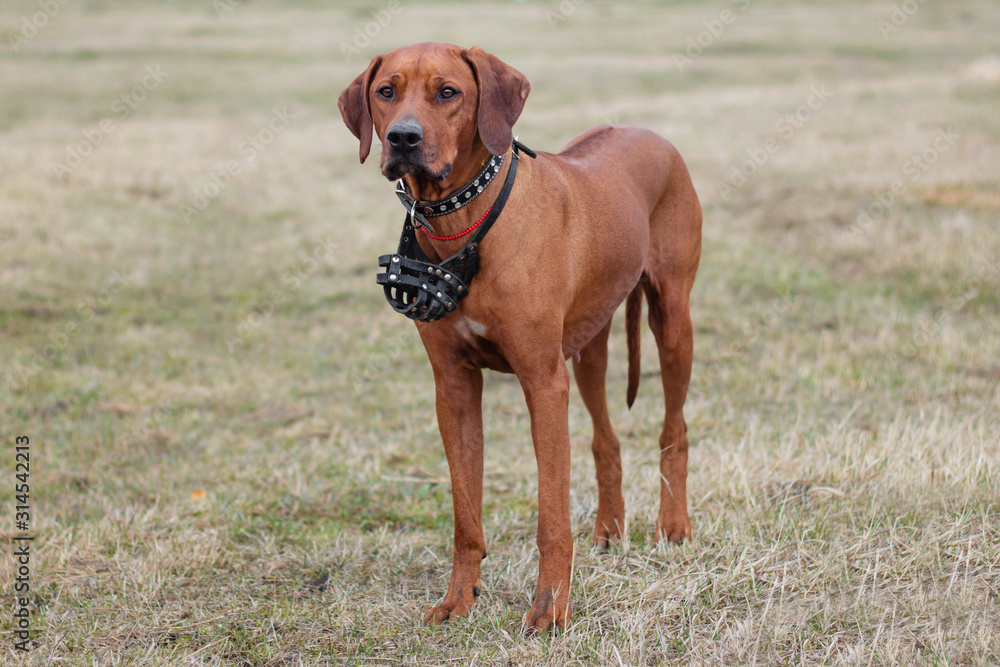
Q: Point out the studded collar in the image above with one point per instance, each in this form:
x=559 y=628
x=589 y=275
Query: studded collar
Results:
x=421 y=210
x=424 y=291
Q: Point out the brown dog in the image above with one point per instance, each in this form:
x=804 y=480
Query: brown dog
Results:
x=612 y=216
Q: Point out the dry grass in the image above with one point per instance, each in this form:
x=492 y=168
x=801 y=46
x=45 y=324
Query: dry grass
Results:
x=219 y=479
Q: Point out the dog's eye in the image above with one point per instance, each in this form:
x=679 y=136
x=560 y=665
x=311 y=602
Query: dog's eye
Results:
x=447 y=93
x=386 y=92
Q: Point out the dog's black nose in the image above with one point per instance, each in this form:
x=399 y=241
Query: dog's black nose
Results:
x=405 y=135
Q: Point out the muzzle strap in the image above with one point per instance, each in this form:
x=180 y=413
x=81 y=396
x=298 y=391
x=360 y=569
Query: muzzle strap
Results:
x=419 y=290
x=424 y=291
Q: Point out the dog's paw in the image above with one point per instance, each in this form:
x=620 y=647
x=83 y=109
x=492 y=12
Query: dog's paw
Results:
x=445 y=613
x=673 y=530
x=452 y=608
x=605 y=535
x=547 y=614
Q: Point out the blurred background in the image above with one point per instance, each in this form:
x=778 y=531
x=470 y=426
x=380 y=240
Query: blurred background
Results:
x=235 y=458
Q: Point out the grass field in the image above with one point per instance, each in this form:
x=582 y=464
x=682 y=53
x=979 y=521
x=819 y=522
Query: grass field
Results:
x=234 y=456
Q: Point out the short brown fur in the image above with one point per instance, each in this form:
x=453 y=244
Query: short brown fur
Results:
x=612 y=214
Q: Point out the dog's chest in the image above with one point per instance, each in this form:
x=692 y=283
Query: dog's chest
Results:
x=474 y=338
x=471 y=331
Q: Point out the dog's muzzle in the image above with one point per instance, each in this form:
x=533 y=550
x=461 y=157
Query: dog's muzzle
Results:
x=424 y=291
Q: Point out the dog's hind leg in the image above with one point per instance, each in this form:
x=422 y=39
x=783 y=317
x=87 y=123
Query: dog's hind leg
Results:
x=670 y=320
x=590 y=373
x=674 y=253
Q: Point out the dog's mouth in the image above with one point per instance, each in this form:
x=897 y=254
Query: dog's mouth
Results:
x=398 y=166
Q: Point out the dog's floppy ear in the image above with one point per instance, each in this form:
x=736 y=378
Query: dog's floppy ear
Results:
x=502 y=92
x=355 y=107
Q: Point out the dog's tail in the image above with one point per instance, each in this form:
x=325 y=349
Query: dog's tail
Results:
x=633 y=318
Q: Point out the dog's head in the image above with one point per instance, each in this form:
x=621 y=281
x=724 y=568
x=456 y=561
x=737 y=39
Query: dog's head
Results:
x=430 y=103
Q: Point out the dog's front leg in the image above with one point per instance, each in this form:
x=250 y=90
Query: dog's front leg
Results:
x=459 y=411
x=545 y=380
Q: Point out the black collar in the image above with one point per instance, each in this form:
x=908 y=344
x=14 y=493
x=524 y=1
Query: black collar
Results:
x=422 y=290
x=421 y=210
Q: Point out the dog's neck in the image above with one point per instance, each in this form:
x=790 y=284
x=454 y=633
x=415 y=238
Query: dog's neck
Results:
x=467 y=164
x=423 y=188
